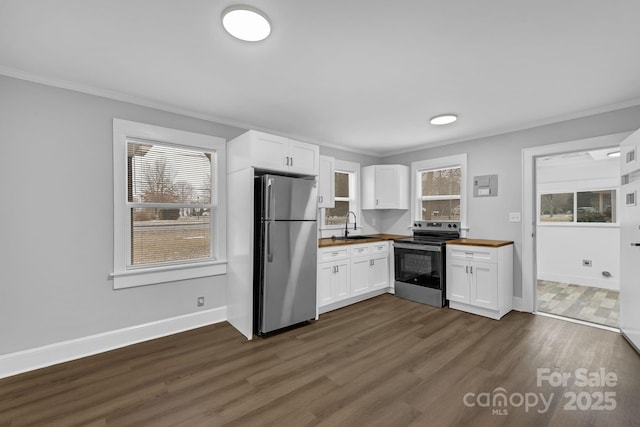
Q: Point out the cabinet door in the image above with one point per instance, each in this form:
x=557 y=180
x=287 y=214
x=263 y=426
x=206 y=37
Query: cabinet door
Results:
x=458 y=281
x=484 y=285
x=326 y=272
x=304 y=158
x=270 y=152
x=379 y=272
x=386 y=187
x=326 y=183
x=360 y=275
x=340 y=286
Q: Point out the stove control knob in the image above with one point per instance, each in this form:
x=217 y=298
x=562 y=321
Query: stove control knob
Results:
x=415 y=224
x=455 y=225
x=449 y=225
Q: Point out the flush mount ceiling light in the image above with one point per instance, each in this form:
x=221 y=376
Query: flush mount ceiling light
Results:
x=614 y=154
x=443 y=119
x=246 y=23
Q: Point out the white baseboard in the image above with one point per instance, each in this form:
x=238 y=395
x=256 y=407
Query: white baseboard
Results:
x=517 y=304
x=52 y=354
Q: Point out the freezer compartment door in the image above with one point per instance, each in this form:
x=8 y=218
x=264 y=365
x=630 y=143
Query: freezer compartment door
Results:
x=287 y=198
x=288 y=286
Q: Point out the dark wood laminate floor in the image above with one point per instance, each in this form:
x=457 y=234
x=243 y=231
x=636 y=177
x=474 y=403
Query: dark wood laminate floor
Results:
x=382 y=362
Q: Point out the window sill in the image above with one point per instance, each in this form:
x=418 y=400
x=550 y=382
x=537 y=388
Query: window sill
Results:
x=172 y=273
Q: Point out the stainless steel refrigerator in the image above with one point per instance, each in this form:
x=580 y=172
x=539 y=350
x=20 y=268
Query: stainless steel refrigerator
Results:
x=285 y=258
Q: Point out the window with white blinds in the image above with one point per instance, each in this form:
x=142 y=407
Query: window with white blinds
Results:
x=169 y=199
x=170 y=203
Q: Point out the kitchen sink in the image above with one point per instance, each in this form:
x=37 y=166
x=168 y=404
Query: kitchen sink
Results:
x=354 y=238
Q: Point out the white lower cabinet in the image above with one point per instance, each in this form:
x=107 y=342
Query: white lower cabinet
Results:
x=480 y=279
x=352 y=273
x=360 y=276
x=333 y=281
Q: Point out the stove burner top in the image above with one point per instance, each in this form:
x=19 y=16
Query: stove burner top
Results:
x=433 y=233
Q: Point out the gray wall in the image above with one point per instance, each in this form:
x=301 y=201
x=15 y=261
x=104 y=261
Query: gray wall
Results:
x=502 y=155
x=369 y=220
x=350 y=156
x=56 y=220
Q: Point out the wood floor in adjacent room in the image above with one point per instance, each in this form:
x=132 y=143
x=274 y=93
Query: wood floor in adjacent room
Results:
x=382 y=362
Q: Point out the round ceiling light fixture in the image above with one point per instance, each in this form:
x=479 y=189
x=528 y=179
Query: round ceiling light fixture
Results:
x=614 y=154
x=246 y=23
x=443 y=119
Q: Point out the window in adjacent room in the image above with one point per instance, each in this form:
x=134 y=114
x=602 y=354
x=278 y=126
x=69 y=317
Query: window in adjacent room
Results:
x=595 y=206
x=556 y=207
x=169 y=211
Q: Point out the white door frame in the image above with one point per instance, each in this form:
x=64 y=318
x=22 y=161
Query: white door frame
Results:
x=529 y=202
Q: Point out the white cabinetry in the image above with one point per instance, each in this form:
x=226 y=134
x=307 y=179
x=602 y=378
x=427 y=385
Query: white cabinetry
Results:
x=352 y=273
x=369 y=267
x=326 y=182
x=333 y=281
x=271 y=152
x=385 y=187
x=480 y=279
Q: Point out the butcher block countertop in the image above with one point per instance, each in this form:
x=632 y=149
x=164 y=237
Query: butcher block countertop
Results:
x=480 y=242
x=328 y=241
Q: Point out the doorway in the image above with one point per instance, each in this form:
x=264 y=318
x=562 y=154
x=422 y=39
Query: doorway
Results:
x=578 y=236
x=531 y=256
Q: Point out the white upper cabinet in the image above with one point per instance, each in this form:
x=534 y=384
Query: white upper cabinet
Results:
x=271 y=152
x=326 y=183
x=385 y=187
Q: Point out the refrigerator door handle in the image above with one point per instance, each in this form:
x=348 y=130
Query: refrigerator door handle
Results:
x=268 y=239
x=270 y=205
x=635 y=244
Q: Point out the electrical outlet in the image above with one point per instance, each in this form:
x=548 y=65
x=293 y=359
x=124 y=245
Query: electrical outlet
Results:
x=200 y=301
x=586 y=263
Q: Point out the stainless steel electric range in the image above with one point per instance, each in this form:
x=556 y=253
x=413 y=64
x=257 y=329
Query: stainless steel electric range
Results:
x=420 y=262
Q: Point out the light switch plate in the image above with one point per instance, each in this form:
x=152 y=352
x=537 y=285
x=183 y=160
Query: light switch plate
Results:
x=514 y=216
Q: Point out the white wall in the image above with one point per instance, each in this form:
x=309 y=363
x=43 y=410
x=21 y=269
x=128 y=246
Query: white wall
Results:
x=488 y=217
x=561 y=248
x=56 y=220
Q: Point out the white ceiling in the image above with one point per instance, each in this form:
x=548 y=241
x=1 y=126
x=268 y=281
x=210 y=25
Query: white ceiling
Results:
x=362 y=74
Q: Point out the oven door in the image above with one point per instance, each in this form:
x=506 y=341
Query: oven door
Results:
x=419 y=265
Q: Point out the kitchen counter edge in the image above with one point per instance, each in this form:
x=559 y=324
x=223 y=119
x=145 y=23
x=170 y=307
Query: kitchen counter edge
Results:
x=480 y=242
x=328 y=241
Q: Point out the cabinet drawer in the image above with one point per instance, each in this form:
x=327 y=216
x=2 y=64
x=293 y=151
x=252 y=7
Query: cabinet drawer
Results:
x=380 y=248
x=359 y=250
x=333 y=254
x=472 y=253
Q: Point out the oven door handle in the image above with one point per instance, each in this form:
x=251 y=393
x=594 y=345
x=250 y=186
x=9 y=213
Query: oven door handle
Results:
x=416 y=247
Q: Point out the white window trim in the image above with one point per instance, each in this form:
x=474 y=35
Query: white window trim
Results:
x=354 y=193
x=458 y=160
x=127 y=277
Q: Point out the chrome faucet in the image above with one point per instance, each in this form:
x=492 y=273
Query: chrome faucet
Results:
x=346 y=223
